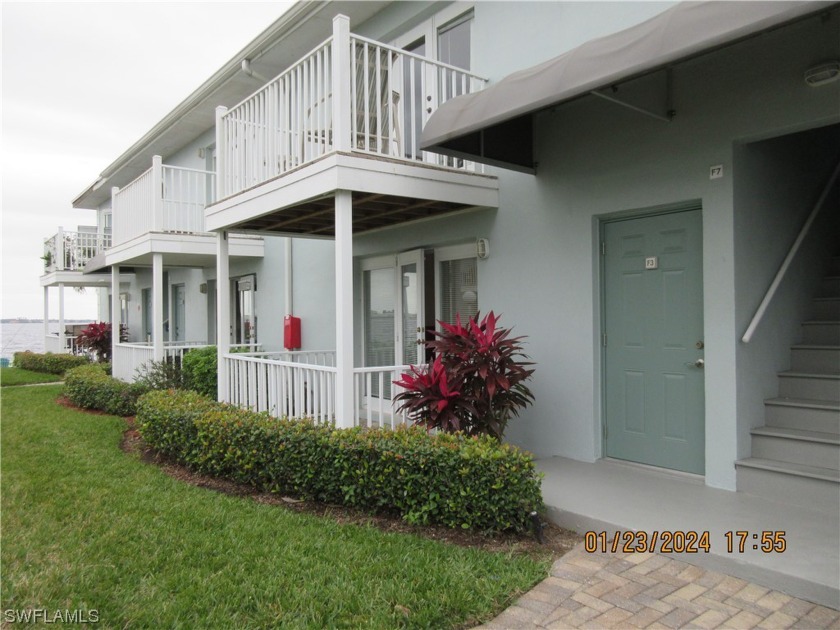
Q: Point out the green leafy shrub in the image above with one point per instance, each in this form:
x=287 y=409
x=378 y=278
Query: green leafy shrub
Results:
x=90 y=387
x=166 y=374
x=200 y=369
x=449 y=478
x=48 y=363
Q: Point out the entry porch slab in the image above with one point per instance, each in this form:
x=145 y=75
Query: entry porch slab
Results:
x=613 y=496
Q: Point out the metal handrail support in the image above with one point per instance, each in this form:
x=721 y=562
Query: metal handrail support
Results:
x=780 y=274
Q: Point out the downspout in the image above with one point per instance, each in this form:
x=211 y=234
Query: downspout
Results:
x=288 y=271
x=246 y=68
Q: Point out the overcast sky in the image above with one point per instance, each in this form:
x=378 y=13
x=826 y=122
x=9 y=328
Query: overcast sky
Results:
x=81 y=83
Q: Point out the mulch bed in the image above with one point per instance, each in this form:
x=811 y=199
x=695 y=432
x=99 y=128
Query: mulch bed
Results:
x=556 y=541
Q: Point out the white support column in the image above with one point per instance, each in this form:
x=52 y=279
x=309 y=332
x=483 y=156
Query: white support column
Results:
x=221 y=152
x=158 y=224
x=344 y=394
x=46 y=312
x=157 y=307
x=115 y=310
x=222 y=310
x=61 y=317
x=341 y=82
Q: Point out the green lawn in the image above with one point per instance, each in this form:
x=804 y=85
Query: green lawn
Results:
x=86 y=526
x=16 y=376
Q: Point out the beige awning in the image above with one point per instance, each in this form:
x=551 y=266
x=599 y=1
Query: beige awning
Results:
x=494 y=126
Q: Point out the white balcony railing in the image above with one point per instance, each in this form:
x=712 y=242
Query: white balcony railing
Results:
x=70 y=251
x=163 y=199
x=349 y=94
x=302 y=384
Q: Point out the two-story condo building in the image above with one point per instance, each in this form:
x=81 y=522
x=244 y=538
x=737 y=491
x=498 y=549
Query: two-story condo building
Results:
x=648 y=191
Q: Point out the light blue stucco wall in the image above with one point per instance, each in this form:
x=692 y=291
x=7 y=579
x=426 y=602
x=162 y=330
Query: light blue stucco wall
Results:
x=597 y=159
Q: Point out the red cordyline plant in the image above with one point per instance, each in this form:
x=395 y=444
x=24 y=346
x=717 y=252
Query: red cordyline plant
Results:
x=475 y=383
x=97 y=338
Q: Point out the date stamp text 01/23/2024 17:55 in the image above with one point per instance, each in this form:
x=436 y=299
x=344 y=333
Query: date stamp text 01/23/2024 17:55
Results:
x=678 y=541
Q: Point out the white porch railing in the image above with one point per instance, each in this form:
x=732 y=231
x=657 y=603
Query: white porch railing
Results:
x=302 y=384
x=70 y=251
x=374 y=390
x=283 y=388
x=128 y=357
x=163 y=199
x=133 y=357
x=386 y=95
x=52 y=343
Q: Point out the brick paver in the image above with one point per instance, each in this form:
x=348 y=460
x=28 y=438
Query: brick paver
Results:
x=651 y=591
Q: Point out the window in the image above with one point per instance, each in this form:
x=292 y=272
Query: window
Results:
x=124 y=298
x=454 y=40
x=457 y=282
x=245 y=331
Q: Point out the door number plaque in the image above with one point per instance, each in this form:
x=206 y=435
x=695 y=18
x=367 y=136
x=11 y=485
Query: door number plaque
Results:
x=652 y=262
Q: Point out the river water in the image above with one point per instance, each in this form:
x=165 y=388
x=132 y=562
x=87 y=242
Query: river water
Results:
x=20 y=337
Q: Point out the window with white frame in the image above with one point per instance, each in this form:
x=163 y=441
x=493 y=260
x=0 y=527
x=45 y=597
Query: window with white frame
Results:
x=457 y=282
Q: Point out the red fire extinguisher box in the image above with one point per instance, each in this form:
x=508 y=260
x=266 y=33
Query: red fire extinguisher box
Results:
x=291 y=332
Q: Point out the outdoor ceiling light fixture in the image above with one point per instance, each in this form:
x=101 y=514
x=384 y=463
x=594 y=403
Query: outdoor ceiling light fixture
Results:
x=823 y=73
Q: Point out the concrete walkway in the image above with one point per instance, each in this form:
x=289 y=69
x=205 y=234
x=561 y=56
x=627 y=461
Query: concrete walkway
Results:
x=646 y=590
x=610 y=496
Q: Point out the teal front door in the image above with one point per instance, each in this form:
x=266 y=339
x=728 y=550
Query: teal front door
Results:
x=653 y=325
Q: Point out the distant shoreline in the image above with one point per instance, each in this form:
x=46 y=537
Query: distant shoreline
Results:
x=24 y=320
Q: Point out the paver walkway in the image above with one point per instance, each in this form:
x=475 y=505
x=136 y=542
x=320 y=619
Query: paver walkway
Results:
x=606 y=590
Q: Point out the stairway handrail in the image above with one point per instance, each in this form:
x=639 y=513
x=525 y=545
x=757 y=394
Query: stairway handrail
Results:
x=780 y=274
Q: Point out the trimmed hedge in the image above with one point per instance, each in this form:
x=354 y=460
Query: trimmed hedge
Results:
x=448 y=479
x=49 y=363
x=90 y=387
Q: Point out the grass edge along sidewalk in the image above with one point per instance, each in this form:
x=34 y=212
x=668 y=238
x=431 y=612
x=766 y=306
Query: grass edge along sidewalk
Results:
x=12 y=376
x=87 y=527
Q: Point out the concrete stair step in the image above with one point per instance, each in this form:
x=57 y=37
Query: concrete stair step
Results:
x=821 y=333
x=815 y=359
x=825 y=308
x=797 y=484
x=809 y=448
x=809 y=386
x=830 y=286
x=802 y=414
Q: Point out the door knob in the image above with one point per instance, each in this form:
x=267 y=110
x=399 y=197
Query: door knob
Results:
x=419 y=342
x=699 y=363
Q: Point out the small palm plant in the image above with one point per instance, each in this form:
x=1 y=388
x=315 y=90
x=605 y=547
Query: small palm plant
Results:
x=474 y=384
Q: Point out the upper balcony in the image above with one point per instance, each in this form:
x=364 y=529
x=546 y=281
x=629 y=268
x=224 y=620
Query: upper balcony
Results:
x=163 y=199
x=333 y=121
x=70 y=251
x=66 y=254
x=162 y=212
